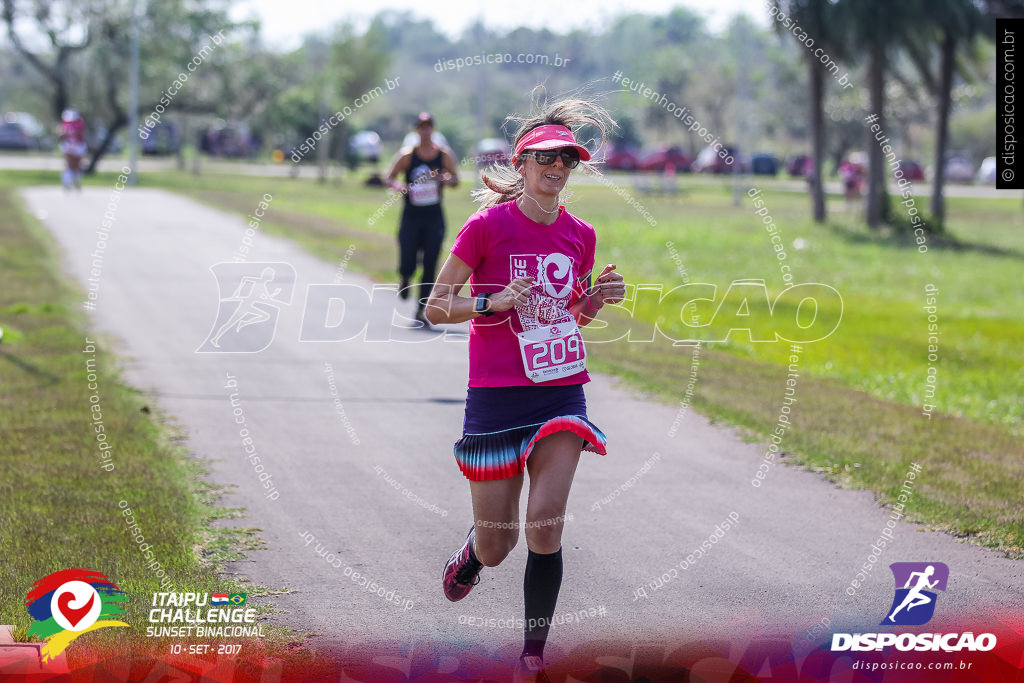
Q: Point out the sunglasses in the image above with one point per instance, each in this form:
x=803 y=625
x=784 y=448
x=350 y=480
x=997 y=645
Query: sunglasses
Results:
x=570 y=156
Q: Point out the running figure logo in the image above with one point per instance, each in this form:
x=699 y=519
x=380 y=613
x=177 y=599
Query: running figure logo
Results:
x=251 y=295
x=916 y=583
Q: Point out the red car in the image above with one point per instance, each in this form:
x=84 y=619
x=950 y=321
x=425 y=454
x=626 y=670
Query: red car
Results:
x=799 y=165
x=620 y=159
x=911 y=170
x=657 y=161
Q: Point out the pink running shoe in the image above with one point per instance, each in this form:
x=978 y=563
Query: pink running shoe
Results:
x=530 y=669
x=462 y=572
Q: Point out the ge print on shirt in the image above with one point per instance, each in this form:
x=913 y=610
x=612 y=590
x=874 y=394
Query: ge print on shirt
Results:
x=554 y=276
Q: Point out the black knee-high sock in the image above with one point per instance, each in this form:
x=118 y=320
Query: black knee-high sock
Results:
x=541 y=582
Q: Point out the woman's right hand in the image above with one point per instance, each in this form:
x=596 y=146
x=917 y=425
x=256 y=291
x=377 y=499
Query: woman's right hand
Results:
x=515 y=294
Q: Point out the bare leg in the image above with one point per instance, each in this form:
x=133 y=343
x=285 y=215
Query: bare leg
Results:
x=552 y=466
x=496 y=510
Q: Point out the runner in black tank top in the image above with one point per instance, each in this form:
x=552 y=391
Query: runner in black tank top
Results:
x=427 y=167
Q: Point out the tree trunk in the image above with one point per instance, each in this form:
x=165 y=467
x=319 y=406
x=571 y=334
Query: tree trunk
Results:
x=945 y=97
x=196 y=161
x=120 y=120
x=98 y=153
x=816 y=79
x=183 y=136
x=323 y=146
x=876 y=169
x=322 y=150
x=60 y=98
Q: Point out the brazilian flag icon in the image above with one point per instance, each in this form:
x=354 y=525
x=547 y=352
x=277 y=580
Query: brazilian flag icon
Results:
x=237 y=598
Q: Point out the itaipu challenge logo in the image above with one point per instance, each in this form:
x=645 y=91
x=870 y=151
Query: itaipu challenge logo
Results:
x=69 y=603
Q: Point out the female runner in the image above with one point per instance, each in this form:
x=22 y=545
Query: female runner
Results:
x=529 y=264
x=72 y=143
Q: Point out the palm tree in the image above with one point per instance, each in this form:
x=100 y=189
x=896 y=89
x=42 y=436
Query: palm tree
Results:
x=816 y=17
x=876 y=29
x=956 y=26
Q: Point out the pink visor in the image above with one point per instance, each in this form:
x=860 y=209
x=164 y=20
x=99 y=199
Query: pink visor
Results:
x=550 y=137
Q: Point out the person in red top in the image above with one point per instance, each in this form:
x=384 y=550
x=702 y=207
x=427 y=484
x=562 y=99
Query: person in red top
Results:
x=529 y=263
x=851 y=176
x=72 y=144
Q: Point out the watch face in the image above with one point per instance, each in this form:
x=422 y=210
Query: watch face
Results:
x=481 y=303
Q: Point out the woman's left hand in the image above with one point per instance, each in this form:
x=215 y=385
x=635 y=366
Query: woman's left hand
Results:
x=609 y=288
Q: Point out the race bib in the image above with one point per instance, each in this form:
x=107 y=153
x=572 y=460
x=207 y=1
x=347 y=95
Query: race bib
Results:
x=424 y=193
x=553 y=351
x=424 y=189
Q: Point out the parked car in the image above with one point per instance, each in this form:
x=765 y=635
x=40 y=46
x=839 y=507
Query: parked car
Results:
x=660 y=159
x=413 y=139
x=799 y=165
x=959 y=170
x=987 y=171
x=21 y=131
x=490 y=151
x=911 y=169
x=764 y=164
x=228 y=140
x=711 y=160
x=94 y=138
x=621 y=158
x=14 y=136
x=164 y=138
x=366 y=145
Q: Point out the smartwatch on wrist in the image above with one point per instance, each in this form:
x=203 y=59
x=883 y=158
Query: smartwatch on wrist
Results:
x=483 y=304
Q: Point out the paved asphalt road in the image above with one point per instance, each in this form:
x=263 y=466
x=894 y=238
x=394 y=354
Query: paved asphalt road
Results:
x=785 y=566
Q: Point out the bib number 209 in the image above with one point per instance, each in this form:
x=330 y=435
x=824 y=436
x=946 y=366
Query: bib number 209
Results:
x=555 y=352
x=552 y=352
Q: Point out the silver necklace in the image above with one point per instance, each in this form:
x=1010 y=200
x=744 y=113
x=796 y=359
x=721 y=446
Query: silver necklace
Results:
x=541 y=207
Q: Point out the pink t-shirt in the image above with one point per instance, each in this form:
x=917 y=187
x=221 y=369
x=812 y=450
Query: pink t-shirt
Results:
x=500 y=241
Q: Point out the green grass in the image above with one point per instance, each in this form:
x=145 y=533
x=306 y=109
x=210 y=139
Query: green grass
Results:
x=880 y=345
x=58 y=508
x=859 y=418
x=971 y=472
